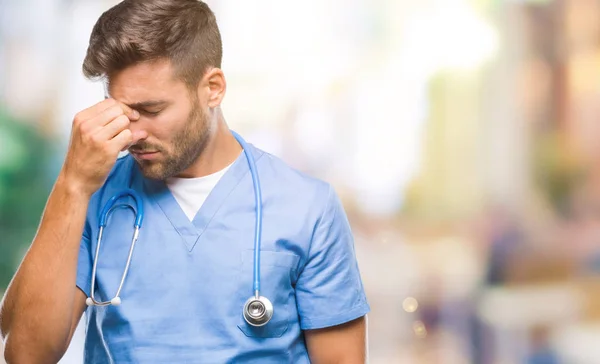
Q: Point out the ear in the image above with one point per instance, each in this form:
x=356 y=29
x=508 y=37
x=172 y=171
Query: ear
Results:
x=215 y=82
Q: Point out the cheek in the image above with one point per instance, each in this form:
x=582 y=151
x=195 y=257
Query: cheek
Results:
x=174 y=121
x=164 y=125
x=167 y=128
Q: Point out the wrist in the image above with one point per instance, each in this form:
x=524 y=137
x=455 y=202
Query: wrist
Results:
x=72 y=187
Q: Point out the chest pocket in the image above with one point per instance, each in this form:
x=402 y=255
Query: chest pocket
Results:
x=277 y=275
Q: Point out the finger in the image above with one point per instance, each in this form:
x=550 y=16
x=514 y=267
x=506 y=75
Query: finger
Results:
x=96 y=109
x=113 y=128
x=131 y=113
x=136 y=137
x=102 y=119
x=122 y=140
x=100 y=107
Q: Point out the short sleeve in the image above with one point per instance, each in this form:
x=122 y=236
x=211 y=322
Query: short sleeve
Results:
x=329 y=290
x=84 y=264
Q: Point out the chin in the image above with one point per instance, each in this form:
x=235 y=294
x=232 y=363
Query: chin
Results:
x=153 y=171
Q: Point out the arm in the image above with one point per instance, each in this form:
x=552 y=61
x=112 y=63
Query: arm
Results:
x=342 y=344
x=42 y=305
x=331 y=301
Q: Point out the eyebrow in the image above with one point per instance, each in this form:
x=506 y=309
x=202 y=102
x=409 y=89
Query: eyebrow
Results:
x=148 y=104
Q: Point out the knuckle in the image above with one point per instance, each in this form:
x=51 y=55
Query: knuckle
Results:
x=78 y=119
x=84 y=128
x=95 y=139
x=87 y=138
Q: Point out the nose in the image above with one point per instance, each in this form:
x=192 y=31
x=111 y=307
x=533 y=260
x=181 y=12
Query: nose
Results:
x=138 y=130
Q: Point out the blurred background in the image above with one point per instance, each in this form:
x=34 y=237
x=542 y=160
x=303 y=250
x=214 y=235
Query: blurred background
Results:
x=461 y=135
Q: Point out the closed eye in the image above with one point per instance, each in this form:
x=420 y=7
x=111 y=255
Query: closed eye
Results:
x=150 y=113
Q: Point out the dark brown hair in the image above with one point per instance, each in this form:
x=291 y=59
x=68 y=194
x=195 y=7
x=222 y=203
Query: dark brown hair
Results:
x=185 y=32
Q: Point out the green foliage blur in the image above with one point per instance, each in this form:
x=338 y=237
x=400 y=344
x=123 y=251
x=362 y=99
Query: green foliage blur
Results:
x=25 y=182
x=557 y=171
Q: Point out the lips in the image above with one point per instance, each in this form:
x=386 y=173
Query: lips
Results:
x=135 y=151
x=144 y=154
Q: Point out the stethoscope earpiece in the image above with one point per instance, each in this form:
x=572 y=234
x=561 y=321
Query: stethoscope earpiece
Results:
x=258 y=311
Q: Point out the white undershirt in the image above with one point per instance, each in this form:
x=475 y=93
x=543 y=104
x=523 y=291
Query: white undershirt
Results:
x=191 y=193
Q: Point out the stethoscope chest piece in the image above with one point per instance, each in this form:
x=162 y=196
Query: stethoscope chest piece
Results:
x=258 y=311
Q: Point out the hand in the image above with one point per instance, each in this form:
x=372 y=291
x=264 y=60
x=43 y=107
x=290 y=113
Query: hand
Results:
x=99 y=133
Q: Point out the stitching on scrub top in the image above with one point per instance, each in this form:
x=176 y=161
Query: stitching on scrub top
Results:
x=312 y=237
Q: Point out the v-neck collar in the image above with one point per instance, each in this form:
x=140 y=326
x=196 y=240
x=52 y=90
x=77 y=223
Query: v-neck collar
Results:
x=191 y=231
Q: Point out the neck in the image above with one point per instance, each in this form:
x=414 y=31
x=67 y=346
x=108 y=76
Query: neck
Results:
x=221 y=149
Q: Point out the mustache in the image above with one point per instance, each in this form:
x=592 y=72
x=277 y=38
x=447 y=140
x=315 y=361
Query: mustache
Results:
x=144 y=147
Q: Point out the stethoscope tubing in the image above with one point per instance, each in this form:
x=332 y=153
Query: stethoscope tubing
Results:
x=139 y=217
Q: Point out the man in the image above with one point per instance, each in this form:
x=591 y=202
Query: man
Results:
x=191 y=271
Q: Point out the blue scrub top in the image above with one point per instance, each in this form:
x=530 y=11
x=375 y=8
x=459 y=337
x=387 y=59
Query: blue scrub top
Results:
x=183 y=298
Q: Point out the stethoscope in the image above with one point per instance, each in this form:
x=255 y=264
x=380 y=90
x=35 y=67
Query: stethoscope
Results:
x=257 y=311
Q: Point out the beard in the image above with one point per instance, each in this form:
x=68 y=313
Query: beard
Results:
x=186 y=147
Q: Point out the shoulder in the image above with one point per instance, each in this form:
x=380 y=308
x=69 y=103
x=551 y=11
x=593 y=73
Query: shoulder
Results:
x=282 y=172
x=291 y=184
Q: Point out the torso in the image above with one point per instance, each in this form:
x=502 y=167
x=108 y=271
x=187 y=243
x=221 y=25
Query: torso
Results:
x=188 y=281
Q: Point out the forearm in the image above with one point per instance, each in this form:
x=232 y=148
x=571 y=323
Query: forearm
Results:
x=38 y=306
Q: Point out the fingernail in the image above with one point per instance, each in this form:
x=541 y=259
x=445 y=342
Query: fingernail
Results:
x=135 y=114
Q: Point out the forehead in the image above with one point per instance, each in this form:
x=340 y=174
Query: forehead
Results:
x=144 y=81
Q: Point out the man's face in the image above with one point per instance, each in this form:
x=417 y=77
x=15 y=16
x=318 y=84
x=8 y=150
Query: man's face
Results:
x=174 y=126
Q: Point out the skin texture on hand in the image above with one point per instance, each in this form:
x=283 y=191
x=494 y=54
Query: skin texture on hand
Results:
x=99 y=133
